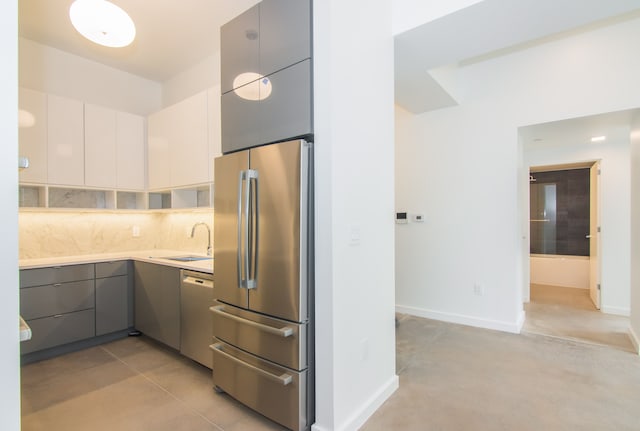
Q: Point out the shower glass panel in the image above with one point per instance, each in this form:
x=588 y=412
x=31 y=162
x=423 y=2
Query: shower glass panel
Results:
x=543 y=211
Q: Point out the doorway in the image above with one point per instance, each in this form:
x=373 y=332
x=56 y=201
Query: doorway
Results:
x=565 y=257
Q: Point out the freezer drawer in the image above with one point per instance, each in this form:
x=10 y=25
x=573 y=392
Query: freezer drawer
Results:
x=277 y=340
x=276 y=392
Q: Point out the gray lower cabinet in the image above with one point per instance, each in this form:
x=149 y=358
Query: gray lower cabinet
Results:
x=112 y=297
x=76 y=302
x=58 y=304
x=157 y=302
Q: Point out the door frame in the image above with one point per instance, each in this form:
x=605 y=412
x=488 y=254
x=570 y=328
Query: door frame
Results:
x=566 y=166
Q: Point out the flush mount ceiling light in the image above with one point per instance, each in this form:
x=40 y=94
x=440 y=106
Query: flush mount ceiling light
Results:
x=259 y=87
x=598 y=138
x=102 y=22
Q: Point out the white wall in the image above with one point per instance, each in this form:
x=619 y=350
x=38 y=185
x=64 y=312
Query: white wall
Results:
x=615 y=195
x=9 y=339
x=635 y=232
x=201 y=76
x=564 y=271
x=462 y=168
x=51 y=70
x=355 y=331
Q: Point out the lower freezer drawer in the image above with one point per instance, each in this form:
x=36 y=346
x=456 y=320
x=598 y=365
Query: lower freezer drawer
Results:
x=274 y=391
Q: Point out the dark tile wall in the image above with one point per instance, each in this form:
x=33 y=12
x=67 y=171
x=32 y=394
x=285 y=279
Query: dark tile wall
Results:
x=572 y=206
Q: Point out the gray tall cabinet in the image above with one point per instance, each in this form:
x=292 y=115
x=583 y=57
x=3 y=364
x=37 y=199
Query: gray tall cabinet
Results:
x=266 y=75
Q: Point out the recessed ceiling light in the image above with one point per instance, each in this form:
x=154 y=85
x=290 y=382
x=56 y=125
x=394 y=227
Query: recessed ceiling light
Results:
x=598 y=138
x=102 y=22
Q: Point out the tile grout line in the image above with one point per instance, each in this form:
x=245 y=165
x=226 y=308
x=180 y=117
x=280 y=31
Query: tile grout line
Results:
x=160 y=387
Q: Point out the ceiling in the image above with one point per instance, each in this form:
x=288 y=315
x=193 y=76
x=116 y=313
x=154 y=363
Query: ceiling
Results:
x=483 y=29
x=616 y=126
x=172 y=35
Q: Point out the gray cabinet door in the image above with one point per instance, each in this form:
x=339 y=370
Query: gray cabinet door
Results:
x=241 y=118
x=44 y=301
x=285 y=34
x=111 y=269
x=286 y=113
x=239 y=45
x=57 y=330
x=112 y=304
x=157 y=302
x=56 y=274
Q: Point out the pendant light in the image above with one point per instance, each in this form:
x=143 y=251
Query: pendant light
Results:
x=102 y=22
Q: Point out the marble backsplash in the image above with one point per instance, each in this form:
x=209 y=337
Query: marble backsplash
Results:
x=70 y=233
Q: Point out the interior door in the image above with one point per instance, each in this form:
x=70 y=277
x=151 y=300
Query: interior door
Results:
x=594 y=235
x=227 y=177
x=281 y=219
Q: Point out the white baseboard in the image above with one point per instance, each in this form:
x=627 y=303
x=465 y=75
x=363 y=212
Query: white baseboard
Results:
x=368 y=408
x=513 y=327
x=635 y=340
x=618 y=311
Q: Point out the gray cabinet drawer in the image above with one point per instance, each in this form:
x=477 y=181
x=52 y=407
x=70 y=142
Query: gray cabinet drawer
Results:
x=111 y=269
x=42 y=301
x=54 y=331
x=56 y=274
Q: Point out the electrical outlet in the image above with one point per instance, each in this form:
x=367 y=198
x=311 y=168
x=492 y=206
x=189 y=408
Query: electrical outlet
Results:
x=135 y=231
x=478 y=289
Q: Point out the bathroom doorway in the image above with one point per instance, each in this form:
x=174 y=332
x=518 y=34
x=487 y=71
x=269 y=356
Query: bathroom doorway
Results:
x=565 y=257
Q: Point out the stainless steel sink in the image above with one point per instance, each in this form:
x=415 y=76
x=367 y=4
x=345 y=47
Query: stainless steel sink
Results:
x=183 y=258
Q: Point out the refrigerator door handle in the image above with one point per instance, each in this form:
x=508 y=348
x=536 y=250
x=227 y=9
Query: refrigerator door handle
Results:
x=252 y=272
x=280 y=332
x=239 y=247
x=283 y=379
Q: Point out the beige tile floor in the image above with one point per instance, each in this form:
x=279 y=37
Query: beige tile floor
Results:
x=452 y=377
x=130 y=384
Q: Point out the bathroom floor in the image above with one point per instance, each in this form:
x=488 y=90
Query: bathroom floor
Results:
x=568 y=313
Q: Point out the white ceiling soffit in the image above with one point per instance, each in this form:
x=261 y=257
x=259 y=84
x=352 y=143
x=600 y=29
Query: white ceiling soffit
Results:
x=616 y=126
x=171 y=35
x=482 y=28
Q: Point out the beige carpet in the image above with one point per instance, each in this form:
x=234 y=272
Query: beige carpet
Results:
x=569 y=313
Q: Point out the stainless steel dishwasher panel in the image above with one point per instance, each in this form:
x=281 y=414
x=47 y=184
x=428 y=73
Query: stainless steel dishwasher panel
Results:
x=276 y=392
x=273 y=339
x=196 y=330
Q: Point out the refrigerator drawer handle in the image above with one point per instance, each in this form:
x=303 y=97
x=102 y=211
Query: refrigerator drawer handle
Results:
x=285 y=332
x=283 y=379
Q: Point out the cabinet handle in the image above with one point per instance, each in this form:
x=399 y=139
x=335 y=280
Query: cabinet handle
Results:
x=283 y=379
x=280 y=332
x=57 y=315
x=57 y=285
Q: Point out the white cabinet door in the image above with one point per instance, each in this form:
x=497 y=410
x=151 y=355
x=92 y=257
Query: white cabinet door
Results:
x=188 y=145
x=33 y=135
x=99 y=146
x=130 y=151
x=214 y=123
x=158 y=168
x=65 y=141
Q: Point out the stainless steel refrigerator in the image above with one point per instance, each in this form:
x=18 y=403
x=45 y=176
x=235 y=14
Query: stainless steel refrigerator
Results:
x=263 y=280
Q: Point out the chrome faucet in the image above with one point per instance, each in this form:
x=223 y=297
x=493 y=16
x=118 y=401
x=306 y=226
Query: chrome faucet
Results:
x=193 y=230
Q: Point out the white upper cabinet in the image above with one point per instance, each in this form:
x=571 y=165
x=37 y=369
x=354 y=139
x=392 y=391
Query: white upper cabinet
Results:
x=158 y=167
x=65 y=141
x=130 y=151
x=100 y=146
x=213 y=117
x=33 y=135
x=179 y=144
x=189 y=148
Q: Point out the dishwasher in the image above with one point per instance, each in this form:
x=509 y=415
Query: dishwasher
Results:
x=196 y=327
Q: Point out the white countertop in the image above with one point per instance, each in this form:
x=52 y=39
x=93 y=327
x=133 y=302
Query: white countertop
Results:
x=151 y=256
